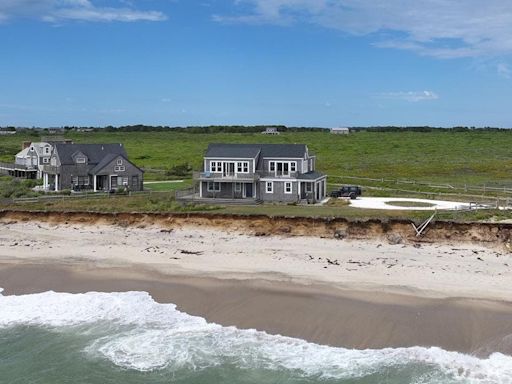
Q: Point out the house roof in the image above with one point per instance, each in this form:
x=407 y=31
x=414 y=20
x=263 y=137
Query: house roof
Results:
x=95 y=152
x=252 y=150
x=313 y=175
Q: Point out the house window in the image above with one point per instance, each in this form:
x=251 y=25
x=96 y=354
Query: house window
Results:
x=213 y=186
x=269 y=187
x=80 y=160
x=238 y=187
x=288 y=187
x=119 y=181
x=119 y=161
x=215 y=166
x=293 y=166
x=47 y=150
x=309 y=187
x=119 y=168
x=135 y=182
x=242 y=167
x=125 y=181
x=46 y=160
x=272 y=166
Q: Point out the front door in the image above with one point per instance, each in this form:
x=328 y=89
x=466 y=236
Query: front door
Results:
x=248 y=190
x=228 y=169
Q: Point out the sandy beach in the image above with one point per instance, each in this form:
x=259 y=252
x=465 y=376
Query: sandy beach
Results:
x=360 y=294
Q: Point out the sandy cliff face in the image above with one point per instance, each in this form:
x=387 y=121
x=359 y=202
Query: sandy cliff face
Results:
x=392 y=231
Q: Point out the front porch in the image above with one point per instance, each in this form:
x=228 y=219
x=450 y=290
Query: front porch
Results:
x=234 y=190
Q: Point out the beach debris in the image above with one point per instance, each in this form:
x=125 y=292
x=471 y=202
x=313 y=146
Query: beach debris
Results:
x=331 y=262
x=340 y=234
x=394 y=239
x=359 y=263
x=417 y=245
x=166 y=230
x=479 y=258
x=260 y=234
x=185 y=252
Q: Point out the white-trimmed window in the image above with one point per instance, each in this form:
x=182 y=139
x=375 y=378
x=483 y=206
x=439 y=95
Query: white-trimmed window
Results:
x=293 y=166
x=269 y=186
x=80 y=160
x=242 y=167
x=46 y=150
x=288 y=187
x=46 y=160
x=119 y=161
x=272 y=166
x=215 y=166
x=119 y=168
x=213 y=186
x=125 y=181
x=309 y=187
x=238 y=187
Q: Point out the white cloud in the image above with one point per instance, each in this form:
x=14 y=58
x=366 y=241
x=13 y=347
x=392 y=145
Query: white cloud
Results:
x=439 y=28
x=54 y=11
x=410 y=96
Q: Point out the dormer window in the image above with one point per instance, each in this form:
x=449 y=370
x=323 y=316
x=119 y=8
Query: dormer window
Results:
x=80 y=160
x=31 y=149
x=46 y=150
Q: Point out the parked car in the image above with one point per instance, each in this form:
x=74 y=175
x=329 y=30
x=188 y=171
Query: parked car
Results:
x=351 y=191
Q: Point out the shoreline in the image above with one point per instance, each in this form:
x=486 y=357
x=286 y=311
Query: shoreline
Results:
x=318 y=314
x=352 y=294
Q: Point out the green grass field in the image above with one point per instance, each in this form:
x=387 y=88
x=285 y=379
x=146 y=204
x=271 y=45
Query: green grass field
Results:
x=476 y=157
x=444 y=157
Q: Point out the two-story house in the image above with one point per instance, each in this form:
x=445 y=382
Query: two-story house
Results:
x=34 y=155
x=266 y=172
x=96 y=167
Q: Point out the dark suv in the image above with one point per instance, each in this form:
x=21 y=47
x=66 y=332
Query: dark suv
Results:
x=351 y=191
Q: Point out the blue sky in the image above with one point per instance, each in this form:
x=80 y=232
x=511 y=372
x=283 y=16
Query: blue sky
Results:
x=293 y=62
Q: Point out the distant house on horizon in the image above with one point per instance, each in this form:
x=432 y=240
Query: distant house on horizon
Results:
x=340 y=131
x=271 y=131
x=261 y=172
x=96 y=167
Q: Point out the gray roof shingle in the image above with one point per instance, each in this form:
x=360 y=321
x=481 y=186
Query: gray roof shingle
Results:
x=95 y=152
x=252 y=150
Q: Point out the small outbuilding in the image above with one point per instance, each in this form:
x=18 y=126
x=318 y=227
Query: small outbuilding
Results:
x=271 y=131
x=340 y=131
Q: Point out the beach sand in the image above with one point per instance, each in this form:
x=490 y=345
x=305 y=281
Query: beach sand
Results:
x=356 y=294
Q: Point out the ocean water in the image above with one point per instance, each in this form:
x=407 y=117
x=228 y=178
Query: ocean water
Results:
x=103 y=338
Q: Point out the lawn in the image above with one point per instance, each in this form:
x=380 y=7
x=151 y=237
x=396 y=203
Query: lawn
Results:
x=475 y=157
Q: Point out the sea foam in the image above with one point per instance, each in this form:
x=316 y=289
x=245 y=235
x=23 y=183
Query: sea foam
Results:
x=145 y=335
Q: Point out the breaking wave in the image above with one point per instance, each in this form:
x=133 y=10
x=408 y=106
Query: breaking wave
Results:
x=134 y=332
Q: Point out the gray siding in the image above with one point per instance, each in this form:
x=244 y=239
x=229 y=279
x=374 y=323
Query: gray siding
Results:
x=130 y=171
x=278 y=194
x=227 y=191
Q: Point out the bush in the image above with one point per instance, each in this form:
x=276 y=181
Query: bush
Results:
x=183 y=169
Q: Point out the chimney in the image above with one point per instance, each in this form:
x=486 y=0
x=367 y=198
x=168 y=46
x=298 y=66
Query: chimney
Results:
x=25 y=144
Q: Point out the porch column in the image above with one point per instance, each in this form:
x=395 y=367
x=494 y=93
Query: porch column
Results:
x=254 y=190
x=94 y=182
x=314 y=191
x=298 y=190
x=56 y=182
x=45 y=185
x=200 y=188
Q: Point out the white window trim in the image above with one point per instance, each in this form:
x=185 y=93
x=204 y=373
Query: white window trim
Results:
x=119 y=168
x=271 y=184
x=309 y=187
x=81 y=160
x=210 y=186
x=238 y=187
x=119 y=162
x=286 y=184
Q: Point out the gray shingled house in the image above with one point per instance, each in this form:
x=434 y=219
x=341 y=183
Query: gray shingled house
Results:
x=266 y=172
x=96 y=167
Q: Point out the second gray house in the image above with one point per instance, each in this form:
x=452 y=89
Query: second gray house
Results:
x=266 y=172
x=96 y=167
